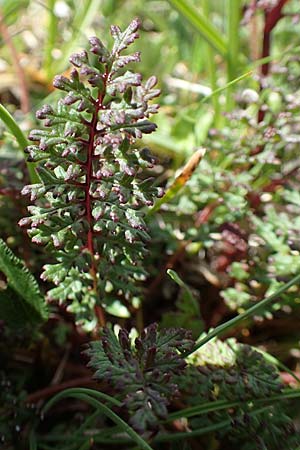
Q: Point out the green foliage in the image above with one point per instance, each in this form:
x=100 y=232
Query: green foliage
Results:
x=88 y=206
x=228 y=370
x=241 y=206
x=203 y=26
x=21 y=302
x=223 y=382
x=11 y=9
x=229 y=228
x=143 y=373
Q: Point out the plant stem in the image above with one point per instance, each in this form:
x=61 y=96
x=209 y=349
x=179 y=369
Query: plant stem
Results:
x=253 y=33
x=218 y=331
x=271 y=18
x=99 y=311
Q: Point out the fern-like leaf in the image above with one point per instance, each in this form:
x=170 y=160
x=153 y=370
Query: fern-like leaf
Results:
x=21 y=301
x=143 y=373
x=88 y=208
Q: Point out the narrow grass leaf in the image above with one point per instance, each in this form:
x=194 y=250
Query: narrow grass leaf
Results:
x=202 y=25
x=227 y=86
x=205 y=408
x=16 y=131
x=218 y=331
x=104 y=410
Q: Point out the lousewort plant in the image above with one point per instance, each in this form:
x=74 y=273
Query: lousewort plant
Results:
x=88 y=212
x=88 y=206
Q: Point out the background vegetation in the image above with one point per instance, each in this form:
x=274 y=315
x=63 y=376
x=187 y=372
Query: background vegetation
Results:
x=223 y=239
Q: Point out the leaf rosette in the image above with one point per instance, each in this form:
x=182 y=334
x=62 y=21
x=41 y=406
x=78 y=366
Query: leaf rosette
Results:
x=142 y=372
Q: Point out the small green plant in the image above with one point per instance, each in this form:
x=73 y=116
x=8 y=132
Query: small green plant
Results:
x=94 y=218
x=89 y=205
x=21 y=302
x=143 y=373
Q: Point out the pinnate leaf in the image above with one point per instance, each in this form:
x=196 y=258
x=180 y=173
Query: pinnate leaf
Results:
x=142 y=371
x=22 y=296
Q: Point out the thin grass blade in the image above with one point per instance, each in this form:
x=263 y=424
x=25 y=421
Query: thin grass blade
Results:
x=202 y=25
x=16 y=131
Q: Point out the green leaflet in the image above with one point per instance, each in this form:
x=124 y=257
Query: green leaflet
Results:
x=21 y=301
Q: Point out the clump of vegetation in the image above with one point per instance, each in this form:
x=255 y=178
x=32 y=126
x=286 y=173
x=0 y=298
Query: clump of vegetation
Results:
x=92 y=184
x=125 y=300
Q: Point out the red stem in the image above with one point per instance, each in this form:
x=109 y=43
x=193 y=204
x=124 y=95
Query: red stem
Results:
x=49 y=391
x=272 y=17
x=88 y=198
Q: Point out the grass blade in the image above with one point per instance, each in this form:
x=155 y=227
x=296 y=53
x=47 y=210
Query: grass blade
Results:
x=51 y=38
x=201 y=431
x=205 y=408
x=233 y=22
x=97 y=394
x=16 y=131
x=272 y=360
x=218 y=331
x=212 y=70
x=202 y=25
x=77 y=393
x=227 y=86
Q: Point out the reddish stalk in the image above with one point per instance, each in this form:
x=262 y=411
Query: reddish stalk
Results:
x=24 y=97
x=49 y=391
x=88 y=201
x=272 y=17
